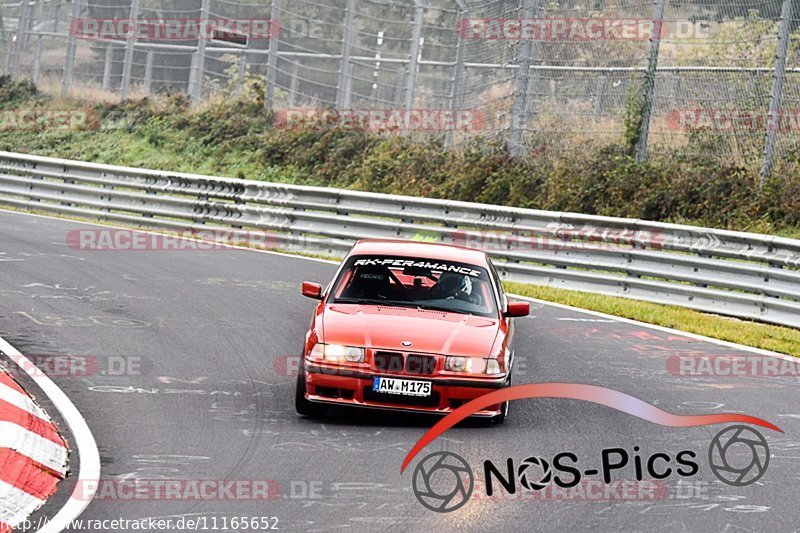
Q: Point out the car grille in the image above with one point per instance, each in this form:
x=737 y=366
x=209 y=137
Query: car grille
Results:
x=389 y=361
x=420 y=365
x=412 y=364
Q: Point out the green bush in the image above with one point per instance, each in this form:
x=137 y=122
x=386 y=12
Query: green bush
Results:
x=14 y=93
x=236 y=137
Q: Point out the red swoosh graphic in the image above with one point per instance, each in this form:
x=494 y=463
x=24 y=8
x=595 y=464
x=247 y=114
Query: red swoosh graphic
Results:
x=588 y=393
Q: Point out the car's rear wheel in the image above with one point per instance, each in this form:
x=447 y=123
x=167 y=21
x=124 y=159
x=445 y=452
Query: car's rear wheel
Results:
x=301 y=404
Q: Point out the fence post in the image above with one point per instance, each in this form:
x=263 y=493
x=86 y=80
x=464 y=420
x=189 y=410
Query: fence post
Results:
x=272 y=60
x=599 y=93
x=343 y=91
x=774 y=118
x=37 y=61
x=243 y=59
x=107 y=65
x=56 y=16
x=196 y=94
x=399 y=85
x=650 y=82
x=69 y=58
x=676 y=88
x=459 y=70
x=294 y=82
x=127 y=65
x=519 y=113
x=413 y=62
x=376 y=73
x=22 y=27
x=148 y=71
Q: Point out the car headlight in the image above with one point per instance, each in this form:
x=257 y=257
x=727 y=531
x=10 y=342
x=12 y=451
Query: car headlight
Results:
x=337 y=352
x=493 y=366
x=458 y=364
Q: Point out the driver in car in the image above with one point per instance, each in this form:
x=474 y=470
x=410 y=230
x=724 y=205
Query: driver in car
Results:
x=453 y=286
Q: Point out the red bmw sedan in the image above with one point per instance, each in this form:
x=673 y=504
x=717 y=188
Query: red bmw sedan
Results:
x=408 y=326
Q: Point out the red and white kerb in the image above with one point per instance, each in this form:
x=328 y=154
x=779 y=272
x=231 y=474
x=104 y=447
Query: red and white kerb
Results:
x=33 y=456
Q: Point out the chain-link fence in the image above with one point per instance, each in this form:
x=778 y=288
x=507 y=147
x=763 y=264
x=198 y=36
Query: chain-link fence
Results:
x=703 y=76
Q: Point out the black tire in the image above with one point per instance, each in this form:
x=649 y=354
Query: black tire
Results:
x=301 y=403
x=501 y=418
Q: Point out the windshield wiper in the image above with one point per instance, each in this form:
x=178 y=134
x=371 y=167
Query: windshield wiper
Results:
x=400 y=303
x=424 y=307
x=362 y=301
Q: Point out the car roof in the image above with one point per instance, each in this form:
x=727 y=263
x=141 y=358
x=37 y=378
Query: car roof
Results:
x=422 y=250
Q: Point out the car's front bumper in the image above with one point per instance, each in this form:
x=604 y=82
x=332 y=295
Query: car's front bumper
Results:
x=338 y=386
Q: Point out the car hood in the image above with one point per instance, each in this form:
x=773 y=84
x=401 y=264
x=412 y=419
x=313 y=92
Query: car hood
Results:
x=387 y=327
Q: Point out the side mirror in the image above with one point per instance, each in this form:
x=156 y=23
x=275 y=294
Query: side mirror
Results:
x=518 y=309
x=312 y=290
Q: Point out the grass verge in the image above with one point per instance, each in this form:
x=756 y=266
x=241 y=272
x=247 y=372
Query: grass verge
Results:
x=757 y=335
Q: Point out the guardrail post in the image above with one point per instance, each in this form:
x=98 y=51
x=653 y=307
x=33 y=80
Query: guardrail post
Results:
x=272 y=59
x=774 y=117
x=69 y=58
x=22 y=28
x=344 y=86
x=107 y=65
x=459 y=70
x=127 y=65
x=413 y=62
x=520 y=111
x=196 y=93
x=650 y=82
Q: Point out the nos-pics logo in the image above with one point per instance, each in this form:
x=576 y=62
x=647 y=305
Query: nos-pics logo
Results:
x=444 y=482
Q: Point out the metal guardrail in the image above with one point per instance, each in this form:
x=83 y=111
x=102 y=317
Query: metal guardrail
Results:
x=737 y=274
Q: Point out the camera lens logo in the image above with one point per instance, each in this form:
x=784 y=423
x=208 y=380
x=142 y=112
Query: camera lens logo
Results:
x=443 y=482
x=738 y=456
x=527 y=473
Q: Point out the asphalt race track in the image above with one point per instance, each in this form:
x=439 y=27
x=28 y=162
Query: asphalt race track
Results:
x=214 y=399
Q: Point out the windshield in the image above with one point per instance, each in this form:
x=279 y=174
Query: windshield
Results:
x=417 y=283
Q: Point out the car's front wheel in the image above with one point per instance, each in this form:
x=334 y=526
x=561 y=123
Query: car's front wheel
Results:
x=499 y=419
x=301 y=404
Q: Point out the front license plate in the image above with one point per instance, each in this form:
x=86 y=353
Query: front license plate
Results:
x=405 y=387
